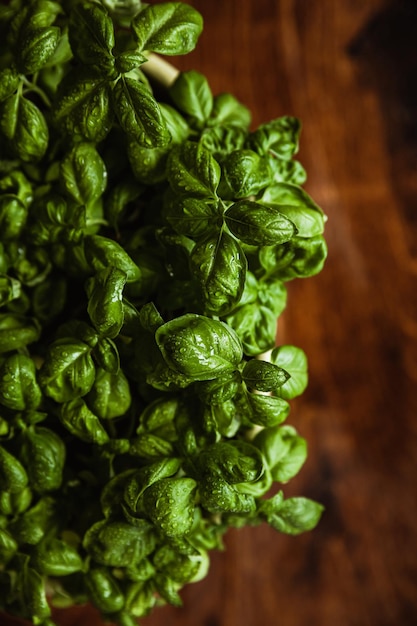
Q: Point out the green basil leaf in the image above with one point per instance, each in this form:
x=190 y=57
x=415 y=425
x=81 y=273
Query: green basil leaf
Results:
x=9 y=82
x=143 y=478
x=273 y=294
x=193 y=217
x=298 y=258
x=149 y=164
x=24 y=126
x=260 y=225
x=30 y=265
x=268 y=506
x=13 y=214
x=20 y=501
x=237 y=461
x=37 y=48
x=164 y=378
x=107 y=355
x=170 y=504
x=19 y=389
x=8 y=546
x=91 y=36
x=286 y=171
x=168 y=589
x=244 y=173
x=35 y=523
x=112 y=495
x=198 y=346
x=10 y=289
x=181 y=568
x=78 y=329
x=264 y=376
x=218 y=496
x=141 y=574
x=219 y=266
x=256 y=327
x=17 y=184
x=228 y=111
x=82 y=107
x=118 y=544
x=149 y=446
x=139 y=601
x=105 y=301
x=102 y=253
x=120 y=196
x=13 y=476
x=55 y=557
x=224 y=418
x=17 y=331
x=77 y=418
x=169 y=28
x=222 y=140
x=192 y=95
x=52 y=219
x=295 y=515
x=185 y=428
x=4 y=427
x=278 y=137
x=192 y=171
x=68 y=371
x=253 y=289
x=83 y=173
x=294 y=361
x=159 y=418
x=43 y=452
x=6 y=504
x=139 y=114
x=103 y=590
x=176 y=124
x=129 y=60
x=116 y=447
x=110 y=394
x=33 y=595
x=284 y=450
x=296 y=204
x=267 y=411
x=219 y=390
x=150 y=318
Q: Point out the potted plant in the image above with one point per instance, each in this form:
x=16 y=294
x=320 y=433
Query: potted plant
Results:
x=146 y=235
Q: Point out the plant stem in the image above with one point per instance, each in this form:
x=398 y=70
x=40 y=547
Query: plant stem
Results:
x=160 y=70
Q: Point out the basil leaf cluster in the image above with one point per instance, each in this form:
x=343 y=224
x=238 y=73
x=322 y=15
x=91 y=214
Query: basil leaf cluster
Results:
x=145 y=243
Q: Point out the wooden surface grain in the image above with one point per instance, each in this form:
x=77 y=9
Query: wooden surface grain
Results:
x=347 y=68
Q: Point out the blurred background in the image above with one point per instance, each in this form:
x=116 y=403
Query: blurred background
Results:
x=348 y=69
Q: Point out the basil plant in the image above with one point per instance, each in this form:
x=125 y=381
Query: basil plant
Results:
x=145 y=245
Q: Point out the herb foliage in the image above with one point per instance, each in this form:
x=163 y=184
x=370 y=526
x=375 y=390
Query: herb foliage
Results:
x=144 y=250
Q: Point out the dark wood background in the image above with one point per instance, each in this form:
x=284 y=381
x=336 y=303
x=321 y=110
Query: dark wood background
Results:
x=348 y=69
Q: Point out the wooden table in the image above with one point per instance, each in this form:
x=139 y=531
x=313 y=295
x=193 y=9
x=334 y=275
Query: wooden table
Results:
x=347 y=68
